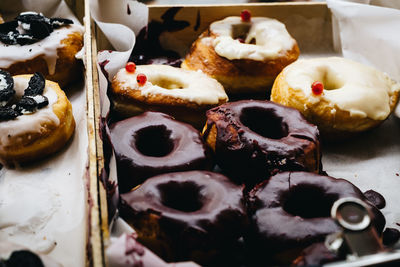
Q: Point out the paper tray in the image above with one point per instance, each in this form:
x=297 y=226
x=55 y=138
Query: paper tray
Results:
x=311 y=25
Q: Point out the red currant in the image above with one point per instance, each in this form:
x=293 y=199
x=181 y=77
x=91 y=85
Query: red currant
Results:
x=130 y=67
x=141 y=79
x=241 y=40
x=317 y=88
x=245 y=15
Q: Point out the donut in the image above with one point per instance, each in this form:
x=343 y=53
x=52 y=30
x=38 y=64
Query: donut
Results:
x=292 y=210
x=253 y=139
x=347 y=97
x=36 y=119
x=34 y=43
x=183 y=94
x=193 y=215
x=154 y=143
x=244 y=55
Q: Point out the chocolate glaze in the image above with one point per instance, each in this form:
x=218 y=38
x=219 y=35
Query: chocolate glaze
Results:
x=181 y=146
x=375 y=198
x=291 y=210
x=390 y=236
x=252 y=155
x=194 y=215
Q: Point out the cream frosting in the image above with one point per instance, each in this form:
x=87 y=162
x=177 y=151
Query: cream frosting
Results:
x=9 y=54
x=361 y=90
x=270 y=36
x=31 y=122
x=193 y=86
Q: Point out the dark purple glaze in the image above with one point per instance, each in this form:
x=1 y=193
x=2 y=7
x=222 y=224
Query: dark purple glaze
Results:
x=316 y=255
x=102 y=67
x=291 y=210
x=390 y=236
x=154 y=143
x=375 y=198
x=193 y=215
x=256 y=139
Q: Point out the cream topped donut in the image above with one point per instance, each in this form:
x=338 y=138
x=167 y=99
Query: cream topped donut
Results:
x=184 y=94
x=34 y=43
x=244 y=54
x=34 y=125
x=340 y=96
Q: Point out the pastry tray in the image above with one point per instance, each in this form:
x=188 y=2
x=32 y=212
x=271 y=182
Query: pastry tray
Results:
x=310 y=23
x=93 y=247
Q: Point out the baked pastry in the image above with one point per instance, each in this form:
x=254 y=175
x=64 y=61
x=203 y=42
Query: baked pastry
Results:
x=292 y=210
x=194 y=215
x=34 y=43
x=254 y=139
x=154 y=143
x=243 y=54
x=355 y=98
x=183 y=94
x=35 y=118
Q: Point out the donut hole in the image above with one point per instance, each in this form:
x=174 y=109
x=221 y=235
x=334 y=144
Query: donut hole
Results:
x=154 y=141
x=182 y=196
x=241 y=31
x=264 y=122
x=167 y=83
x=330 y=79
x=308 y=202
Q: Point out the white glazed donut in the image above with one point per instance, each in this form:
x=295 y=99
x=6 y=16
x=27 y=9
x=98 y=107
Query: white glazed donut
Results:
x=355 y=97
x=54 y=56
x=244 y=56
x=184 y=94
x=32 y=136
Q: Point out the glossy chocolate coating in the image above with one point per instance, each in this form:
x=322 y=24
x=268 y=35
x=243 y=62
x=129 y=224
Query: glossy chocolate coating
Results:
x=182 y=145
x=193 y=215
x=375 y=198
x=316 y=255
x=292 y=209
x=390 y=236
x=256 y=139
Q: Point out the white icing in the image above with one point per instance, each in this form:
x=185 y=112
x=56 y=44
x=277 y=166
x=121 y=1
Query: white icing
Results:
x=361 y=90
x=3 y=82
x=28 y=123
x=9 y=54
x=271 y=39
x=197 y=87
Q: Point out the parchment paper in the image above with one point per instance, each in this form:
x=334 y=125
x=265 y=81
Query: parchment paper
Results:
x=48 y=213
x=361 y=32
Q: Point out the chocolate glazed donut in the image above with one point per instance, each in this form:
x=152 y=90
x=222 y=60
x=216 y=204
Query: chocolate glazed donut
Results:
x=193 y=215
x=254 y=139
x=291 y=210
x=154 y=143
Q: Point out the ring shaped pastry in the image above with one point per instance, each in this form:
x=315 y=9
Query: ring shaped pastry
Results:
x=291 y=210
x=193 y=215
x=355 y=97
x=254 y=139
x=183 y=94
x=45 y=45
x=245 y=57
x=154 y=143
x=31 y=136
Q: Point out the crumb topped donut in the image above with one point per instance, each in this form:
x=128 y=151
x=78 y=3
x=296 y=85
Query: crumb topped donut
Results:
x=244 y=54
x=34 y=43
x=35 y=120
x=183 y=94
x=292 y=210
x=254 y=139
x=153 y=143
x=193 y=215
x=340 y=96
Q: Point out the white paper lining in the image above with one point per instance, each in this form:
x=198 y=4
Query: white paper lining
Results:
x=46 y=206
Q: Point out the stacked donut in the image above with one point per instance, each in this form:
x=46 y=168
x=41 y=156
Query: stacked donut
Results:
x=260 y=200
